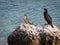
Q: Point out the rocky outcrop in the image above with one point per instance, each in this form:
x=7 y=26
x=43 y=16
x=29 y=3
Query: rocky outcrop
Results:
x=27 y=34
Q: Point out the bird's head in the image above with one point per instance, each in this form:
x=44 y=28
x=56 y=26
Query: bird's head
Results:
x=25 y=15
x=45 y=10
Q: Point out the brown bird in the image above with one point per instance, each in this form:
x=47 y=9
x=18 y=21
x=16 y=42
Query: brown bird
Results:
x=48 y=17
x=27 y=20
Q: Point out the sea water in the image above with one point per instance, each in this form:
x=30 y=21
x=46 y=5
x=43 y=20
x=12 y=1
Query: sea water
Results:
x=12 y=13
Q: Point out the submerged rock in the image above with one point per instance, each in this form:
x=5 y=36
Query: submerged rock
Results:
x=27 y=34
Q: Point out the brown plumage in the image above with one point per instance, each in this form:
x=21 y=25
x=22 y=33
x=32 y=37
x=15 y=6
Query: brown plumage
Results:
x=48 y=17
x=27 y=20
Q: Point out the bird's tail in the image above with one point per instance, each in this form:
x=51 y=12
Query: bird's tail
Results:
x=52 y=26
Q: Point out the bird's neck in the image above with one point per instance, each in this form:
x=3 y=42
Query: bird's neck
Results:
x=45 y=12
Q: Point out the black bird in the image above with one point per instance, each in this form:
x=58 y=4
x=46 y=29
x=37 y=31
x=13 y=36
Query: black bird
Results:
x=48 y=17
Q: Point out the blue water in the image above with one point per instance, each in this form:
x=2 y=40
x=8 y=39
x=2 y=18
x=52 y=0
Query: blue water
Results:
x=12 y=12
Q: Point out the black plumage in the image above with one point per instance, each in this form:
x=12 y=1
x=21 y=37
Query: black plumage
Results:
x=48 y=17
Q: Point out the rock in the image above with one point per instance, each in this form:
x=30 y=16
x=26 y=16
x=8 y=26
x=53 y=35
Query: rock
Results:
x=27 y=34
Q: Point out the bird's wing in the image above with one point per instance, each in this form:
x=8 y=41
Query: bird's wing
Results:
x=30 y=21
x=49 y=17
